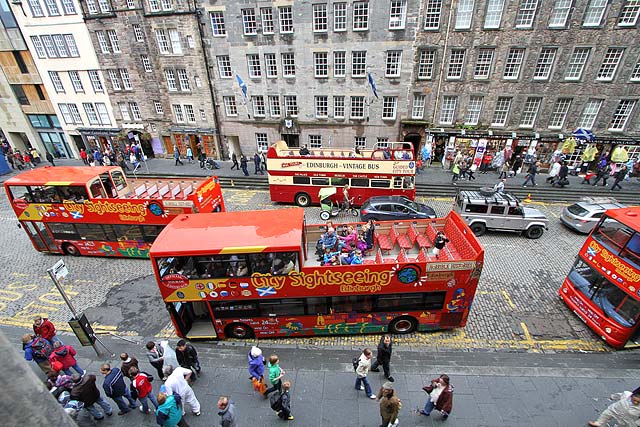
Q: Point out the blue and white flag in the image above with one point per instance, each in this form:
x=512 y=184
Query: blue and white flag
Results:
x=373 y=85
x=584 y=134
x=242 y=85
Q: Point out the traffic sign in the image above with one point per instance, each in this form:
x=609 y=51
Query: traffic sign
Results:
x=60 y=270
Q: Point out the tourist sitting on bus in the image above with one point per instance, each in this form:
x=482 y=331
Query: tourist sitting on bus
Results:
x=350 y=240
x=304 y=151
x=369 y=229
x=282 y=265
x=354 y=258
x=242 y=269
x=327 y=240
x=329 y=257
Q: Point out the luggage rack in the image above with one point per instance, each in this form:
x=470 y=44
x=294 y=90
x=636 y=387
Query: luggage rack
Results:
x=495 y=198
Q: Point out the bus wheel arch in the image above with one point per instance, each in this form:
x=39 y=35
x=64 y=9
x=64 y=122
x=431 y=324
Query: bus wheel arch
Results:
x=302 y=199
x=403 y=325
x=238 y=330
x=70 y=249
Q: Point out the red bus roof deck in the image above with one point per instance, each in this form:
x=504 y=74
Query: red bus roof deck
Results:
x=628 y=216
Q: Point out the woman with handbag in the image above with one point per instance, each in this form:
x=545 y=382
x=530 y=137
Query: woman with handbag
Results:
x=440 y=396
x=256 y=369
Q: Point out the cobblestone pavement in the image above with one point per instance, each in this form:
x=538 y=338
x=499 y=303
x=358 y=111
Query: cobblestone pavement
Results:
x=516 y=309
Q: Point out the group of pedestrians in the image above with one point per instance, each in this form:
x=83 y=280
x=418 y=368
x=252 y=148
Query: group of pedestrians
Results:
x=279 y=392
x=27 y=159
x=259 y=163
x=463 y=167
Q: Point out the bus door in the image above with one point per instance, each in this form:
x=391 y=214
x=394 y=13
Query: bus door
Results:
x=634 y=340
x=193 y=319
x=40 y=236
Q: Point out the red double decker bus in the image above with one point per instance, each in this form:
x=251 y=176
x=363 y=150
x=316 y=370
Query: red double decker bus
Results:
x=255 y=274
x=603 y=287
x=388 y=169
x=80 y=210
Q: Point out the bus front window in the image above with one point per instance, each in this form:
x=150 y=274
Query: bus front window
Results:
x=612 y=233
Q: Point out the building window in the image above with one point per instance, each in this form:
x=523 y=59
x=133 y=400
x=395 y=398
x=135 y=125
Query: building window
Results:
x=230 y=106
x=163 y=42
x=39 y=48
x=322 y=106
x=146 y=63
x=224 y=67
x=456 y=61
x=320 y=22
x=52 y=7
x=291 y=105
x=321 y=64
x=154 y=5
x=559 y=113
x=135 y=111
x=389 y=107
x=96 y=82
x=137 y=32
x=70 y=114
x=629 y=15
x=393 y=63
x=526 y=13
x=22 y=66
x=249 y=23
x=131 y=4
x=503 y=105
x=71 y=45
x=426 y=64
x=621 y=115
x=382 y=142
x=288 y=65
x=171 y=80
x=178 y=113
x=104 y=6
x=339 y=17
x=253 y=64
x=357 y=107
x=635 y=74
x=448 y=109
x=102 y=42
x=398 y=15
x=594 y=13
x=124 y=111
x=176 y=44
x=358 y=63
x=576 y=63
x=115 y=80
x=262 y=143
x=315 y=141
x=90 y=111
x=494 y=14
x=115 y=43
x=271 y=65
x=274 y=105
x=560 y=13
x=545 y=63
x=190 y=113
x=36 y=8
x=126 y=81
x=183 y=78
x=360 y=142
x=74 y=76
x=56 y=81
x=217 y=23
x=360 y=16
x=530 y=112
x=484 y=61
x=338 y=107
x=285 y=16
x=339 y=63
x=266 y=16
x=590 y=113
x=103 y=113
x=514 y=62
x=417 y=112
x=203 y=115
x=75 y=113
x=432 y=12
x=49 y=46
x=158 y=106
x=58 y=41
x=464 y=14
x=258 y=105
x=473 y=111
x=610 y=64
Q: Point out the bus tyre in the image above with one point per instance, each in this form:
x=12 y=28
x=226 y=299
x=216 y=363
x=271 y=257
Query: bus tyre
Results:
x=324 y=215
x=303 y=200
x=238 y=330
x=478 y=229
x=70 y=249
x=403 y=325
x=534 y=232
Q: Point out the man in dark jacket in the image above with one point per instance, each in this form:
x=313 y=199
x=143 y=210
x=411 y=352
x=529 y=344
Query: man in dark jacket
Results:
x=127 y=363
x=85 y=390
x=115 y=388
x=187 y=356
x=384 y=357
x=563 y=175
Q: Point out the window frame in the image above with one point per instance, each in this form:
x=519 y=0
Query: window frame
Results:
x=530 y=111
x=472 y=116
x=514 y=61
x=493 y=14
x=230 y=106
x=321 y=65
x=590 y=113
x=417 y=108
x=464 y=15
x=448 y=109
x=218 y=26
x=624 y=115
x=432 y=15
x=560 y=14
x=320 y=18
x=389 y=107
x=285 y=19
x=357 y=104
x=339 y=17
x=398 y=10
x=457 y=66
x=393 y=63
x=606 y=65
x=544 y=66
x=525 y=17
x=592 y=8
x=573 y=66
x=321 y=106
x=291 y=108
x=559 y=113
x=360 y=16
x=502 y=110
x=249 y=22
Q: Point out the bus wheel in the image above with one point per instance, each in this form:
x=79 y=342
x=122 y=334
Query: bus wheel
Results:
x=303 y=200
x=534 y=232
x=478 y=229
x=69 y=249
x=238 y=330
x=403 y=325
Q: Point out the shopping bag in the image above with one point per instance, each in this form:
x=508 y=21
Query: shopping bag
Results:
x=259 y=385
x=170 y=357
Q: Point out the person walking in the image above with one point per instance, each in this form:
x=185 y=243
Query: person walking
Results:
x=85 y=390
x=364 y=364
x=531 y=174
x=256 y=164
x=177 y=383
x=188 y=357
x=604 y=169
x=563 y=176
x=619 y=176
x=389 y=405
x=65 y=356
x=243 y=165
x=263 y=162
x=227 y=412
x=256 y=364
x=517 y=165
x=189 y=155
x=285 y=402
x=44 y=328
x=234 y=159
x=504 y=170
x=455 y=170
x=385 y=347
x=38 y=349
x=176 y=155
x=49 y=158
x=115 y=388
x=440 y=396
x=143 y=388
x=127 y=363
x=84 y=156
x=499 y=187
x=625 y=411
x=553 y=173
x=169 y=413
x=275 y=375
x=155 y=354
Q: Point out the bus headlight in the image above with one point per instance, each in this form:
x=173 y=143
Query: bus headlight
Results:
x=608 y=330
x=564 y=289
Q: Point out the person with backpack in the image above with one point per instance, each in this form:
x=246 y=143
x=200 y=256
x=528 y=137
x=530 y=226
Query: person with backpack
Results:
x=275 y=375
x=115 y=388
x=38 y=349
x=188 y=357
x=63 y=356
x=141 y=383
x=127 y=363
x=362 y=369
x=284 y=410
x=44 y=328
x=384 y=357
x=84 y=390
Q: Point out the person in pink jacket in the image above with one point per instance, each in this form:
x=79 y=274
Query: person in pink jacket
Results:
x=64 y=356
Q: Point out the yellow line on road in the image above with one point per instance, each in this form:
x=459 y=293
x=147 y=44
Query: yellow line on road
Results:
x=508 y=299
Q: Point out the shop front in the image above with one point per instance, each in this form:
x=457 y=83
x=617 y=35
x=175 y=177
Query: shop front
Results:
x=184 y=138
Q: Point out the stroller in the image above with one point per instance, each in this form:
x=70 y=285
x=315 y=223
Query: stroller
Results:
x=211 y=164
x=328 y=208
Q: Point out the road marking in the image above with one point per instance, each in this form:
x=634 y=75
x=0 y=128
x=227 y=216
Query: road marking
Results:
x=508 y=299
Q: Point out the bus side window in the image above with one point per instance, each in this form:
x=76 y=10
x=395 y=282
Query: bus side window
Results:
x=20 y=193
x=96 y=189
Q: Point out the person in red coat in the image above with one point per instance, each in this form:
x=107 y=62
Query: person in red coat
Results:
x=65 y=356
x=440 y=396
x=44 y=328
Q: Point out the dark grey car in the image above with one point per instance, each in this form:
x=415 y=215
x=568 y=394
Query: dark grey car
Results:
x=384 y=208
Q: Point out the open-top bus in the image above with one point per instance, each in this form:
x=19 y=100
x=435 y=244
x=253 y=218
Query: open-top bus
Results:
x=255 y=273
x=603 y=287
x=385 y=170
x=80 y=210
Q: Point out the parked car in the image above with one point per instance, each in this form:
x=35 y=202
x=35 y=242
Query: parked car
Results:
x=488 y=210
x=384 y=208
x=585 y=214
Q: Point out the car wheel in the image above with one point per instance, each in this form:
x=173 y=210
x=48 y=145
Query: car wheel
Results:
x=238 y=330
x=534 y=232
x=478 y=229
x=303 y=200
x=403 y=325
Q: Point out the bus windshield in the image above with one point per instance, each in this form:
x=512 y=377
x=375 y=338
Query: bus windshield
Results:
x=613 y=301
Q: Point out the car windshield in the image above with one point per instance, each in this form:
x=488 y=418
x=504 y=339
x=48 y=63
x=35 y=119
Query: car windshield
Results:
x=413 y=205
x=613 y=301
x=577 y=210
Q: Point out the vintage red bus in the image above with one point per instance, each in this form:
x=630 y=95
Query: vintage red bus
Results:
x=255 y=274
x=603 y=287
x=80 y=210
x=384 y=171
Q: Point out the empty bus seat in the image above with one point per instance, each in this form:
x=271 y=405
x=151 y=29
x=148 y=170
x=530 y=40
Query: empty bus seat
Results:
x=421 y=239
x=151 y=191
x=404 y=241
x=164 y=190
x=386 y=242
x=402 y=256
x=431 y=232
x=141 y=190
x=422 y=255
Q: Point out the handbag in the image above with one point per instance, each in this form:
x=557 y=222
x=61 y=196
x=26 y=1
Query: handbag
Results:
x=259 y=385
x=394 y=424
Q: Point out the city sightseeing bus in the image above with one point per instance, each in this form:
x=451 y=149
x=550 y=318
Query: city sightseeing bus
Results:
x=386 y=170
x=256 y=274
x=80 y=210
x=603 y=287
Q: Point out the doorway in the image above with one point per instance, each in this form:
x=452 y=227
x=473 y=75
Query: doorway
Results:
x=292 y=140
x=414 y=139
x=192 y=319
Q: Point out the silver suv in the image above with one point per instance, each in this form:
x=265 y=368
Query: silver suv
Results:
x=585 y=214
x=488 y=210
